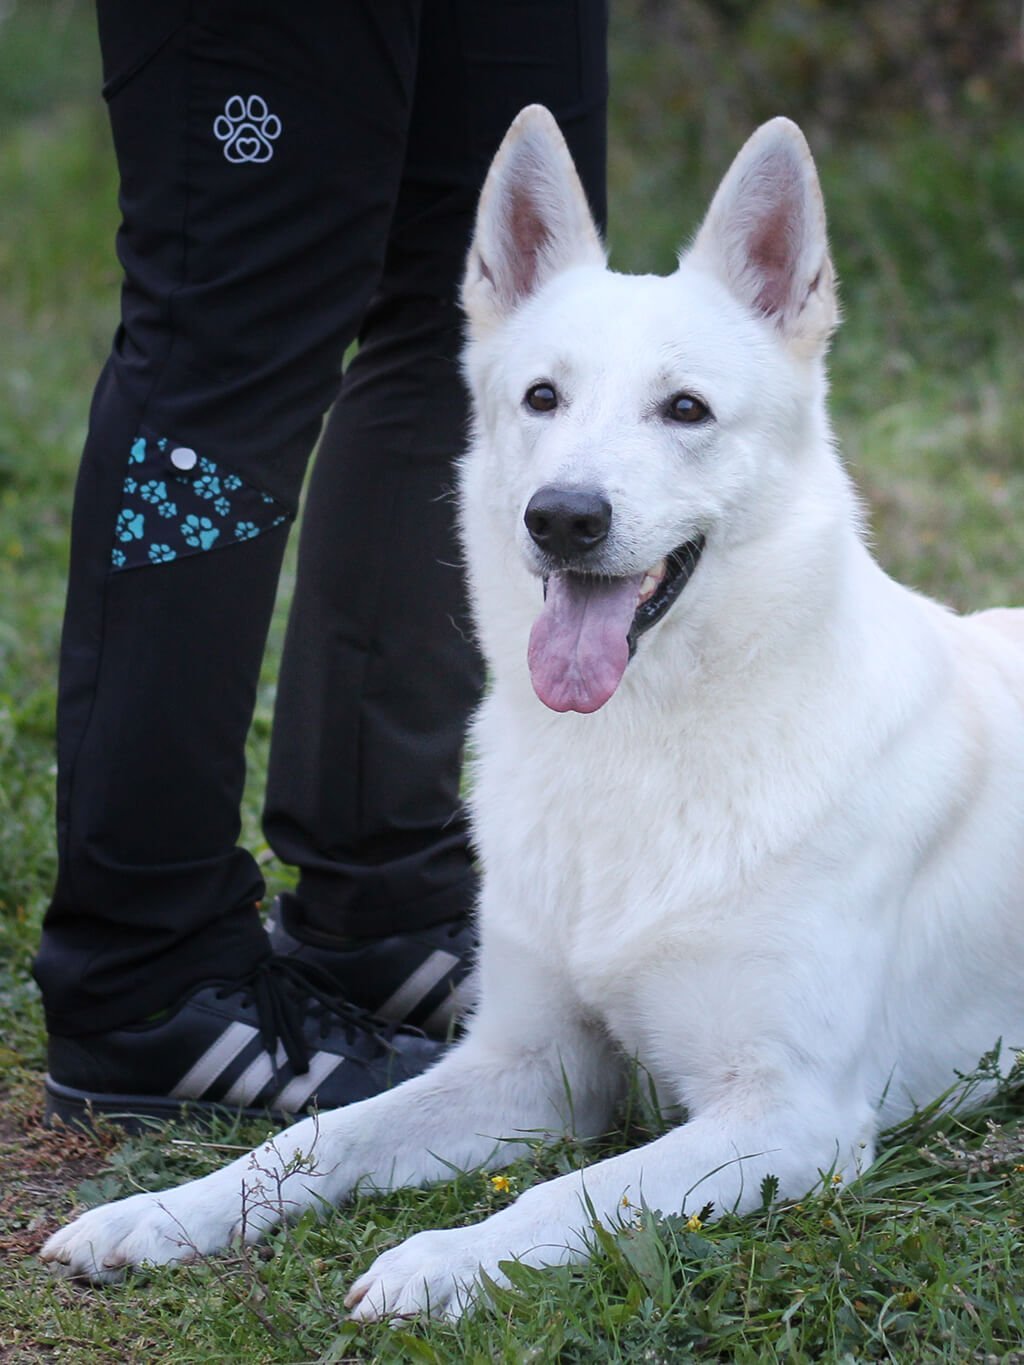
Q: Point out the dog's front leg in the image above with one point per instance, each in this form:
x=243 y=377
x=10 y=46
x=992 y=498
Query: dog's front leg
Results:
x=475 y=1106
x=719 y=1158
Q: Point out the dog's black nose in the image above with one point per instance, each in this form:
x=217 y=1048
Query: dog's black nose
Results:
x=567 y=522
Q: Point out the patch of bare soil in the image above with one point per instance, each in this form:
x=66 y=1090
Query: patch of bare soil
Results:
x=40 y=1168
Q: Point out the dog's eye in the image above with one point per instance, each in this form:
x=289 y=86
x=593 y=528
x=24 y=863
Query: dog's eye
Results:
x=541 y=398
x=685 y=408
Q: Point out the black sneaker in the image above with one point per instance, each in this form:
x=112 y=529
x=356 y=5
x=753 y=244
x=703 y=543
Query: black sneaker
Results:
x=274 y=1044
x=420 y=978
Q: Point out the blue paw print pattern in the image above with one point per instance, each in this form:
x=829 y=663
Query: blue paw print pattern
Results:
x=130 y=525
x=177 y=503
x=247 y=129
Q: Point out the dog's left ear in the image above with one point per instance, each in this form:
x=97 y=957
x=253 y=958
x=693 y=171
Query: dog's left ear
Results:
x=765 y=237
x=533 y=221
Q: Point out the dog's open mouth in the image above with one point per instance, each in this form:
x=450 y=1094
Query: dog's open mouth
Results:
x=587 y=633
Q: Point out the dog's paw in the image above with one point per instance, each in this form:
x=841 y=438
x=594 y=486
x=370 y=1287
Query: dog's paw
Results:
x=434 y=1274
x=146 y=1229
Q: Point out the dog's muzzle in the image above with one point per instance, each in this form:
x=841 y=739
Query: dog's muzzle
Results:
x=588 y=629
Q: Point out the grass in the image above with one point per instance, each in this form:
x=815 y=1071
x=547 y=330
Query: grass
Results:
x=920 y=1260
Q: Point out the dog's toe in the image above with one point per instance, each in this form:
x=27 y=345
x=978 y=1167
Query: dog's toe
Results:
x=146 y=1229
x=434 y=1274
x=94 y=1247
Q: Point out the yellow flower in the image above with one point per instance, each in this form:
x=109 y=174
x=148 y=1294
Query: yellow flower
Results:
x=693 y=1223
x=501 y=1184
x=837 y=1179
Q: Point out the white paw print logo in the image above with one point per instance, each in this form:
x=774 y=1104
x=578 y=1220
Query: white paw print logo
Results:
x=247 y=129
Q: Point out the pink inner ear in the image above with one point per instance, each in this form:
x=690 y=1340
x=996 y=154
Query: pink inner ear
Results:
x=527 y=237
x=773 y=250
x=776 y=231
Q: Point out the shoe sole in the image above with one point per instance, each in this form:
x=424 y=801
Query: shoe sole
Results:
x=137 y=1113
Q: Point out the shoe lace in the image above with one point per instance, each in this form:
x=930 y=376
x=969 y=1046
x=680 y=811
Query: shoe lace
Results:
x=285 y=992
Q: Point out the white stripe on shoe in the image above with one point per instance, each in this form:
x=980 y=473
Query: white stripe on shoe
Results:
x=246 y=1087
x=300 y=1089
x=217 y=1058
x=422 y=981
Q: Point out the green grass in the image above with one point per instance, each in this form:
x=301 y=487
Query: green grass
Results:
x=920 y=1260
x=917 y=1261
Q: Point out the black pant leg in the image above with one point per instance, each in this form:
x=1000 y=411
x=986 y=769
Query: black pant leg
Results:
x=379 y=670
x=379 y=673
x=260 y=148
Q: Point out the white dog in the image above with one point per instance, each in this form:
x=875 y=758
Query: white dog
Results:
x=748 y=810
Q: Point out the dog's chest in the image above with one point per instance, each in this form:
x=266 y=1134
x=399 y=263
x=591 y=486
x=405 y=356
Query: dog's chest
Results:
x=609 y=856
x=626 y=935
x=677 y=903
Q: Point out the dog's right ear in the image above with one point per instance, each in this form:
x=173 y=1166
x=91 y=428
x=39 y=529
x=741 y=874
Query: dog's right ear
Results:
x=533 y=221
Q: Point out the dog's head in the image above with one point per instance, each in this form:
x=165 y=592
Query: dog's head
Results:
x=630 y=431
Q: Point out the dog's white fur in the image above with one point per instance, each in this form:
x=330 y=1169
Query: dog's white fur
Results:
x=783 y=866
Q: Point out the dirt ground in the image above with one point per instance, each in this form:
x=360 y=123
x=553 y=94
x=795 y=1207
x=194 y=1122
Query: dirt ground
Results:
x=40 y=1168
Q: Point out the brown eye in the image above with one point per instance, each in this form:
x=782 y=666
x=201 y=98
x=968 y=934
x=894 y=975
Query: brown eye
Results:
x=685 y=408
x=541 y=398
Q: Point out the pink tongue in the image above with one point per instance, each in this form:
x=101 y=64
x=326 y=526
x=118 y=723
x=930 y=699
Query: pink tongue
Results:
x=578 y=646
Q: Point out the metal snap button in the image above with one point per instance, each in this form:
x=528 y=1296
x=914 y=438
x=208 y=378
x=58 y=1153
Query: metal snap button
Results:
x=184 y=458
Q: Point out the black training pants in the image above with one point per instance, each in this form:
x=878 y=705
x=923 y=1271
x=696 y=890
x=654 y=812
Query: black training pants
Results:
x=293 y=177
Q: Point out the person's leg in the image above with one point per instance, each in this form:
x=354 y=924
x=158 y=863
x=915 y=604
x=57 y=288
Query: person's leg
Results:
x=379 y=669
x=379 y=673
x=378 y=677
x=260 y=150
